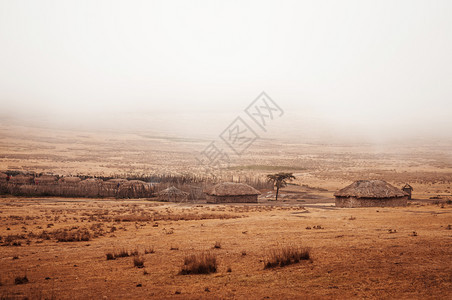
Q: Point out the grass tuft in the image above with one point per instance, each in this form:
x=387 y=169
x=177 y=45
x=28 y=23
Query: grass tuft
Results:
x=21 y=280
x=285 y=256
x=202 y=263
x=138 y=261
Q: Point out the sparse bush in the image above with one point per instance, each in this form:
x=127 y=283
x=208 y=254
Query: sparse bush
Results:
x=243 y=253
x=78 y=235
x=285 y=256
x=149 y=250
x=21 y=280
x=122 y=253
x=217 y=245
x=138 y=261
x=110 y=256
x=202 y=263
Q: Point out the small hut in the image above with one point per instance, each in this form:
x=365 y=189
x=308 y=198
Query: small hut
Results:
x=134 y=189
x=172 y=194
x=3 y=177
x=90 y=187
x=231 y=192
x=368 y=193
x=21 y=179
x=46 y=180
x=408 y=189
x=70 y=180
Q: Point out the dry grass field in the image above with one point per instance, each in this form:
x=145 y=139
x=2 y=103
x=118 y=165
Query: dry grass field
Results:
x=60 y=248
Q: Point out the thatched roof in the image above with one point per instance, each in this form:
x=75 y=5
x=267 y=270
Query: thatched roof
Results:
x=92 y=181
x=22 y=179
x=232 y=189
x=172 y=191
x=136 y=182
x=70 y=179
x=408 y=187
x=46 y=179
x=370 y=189
x=117 y=180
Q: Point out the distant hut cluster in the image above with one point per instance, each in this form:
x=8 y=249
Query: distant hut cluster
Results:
x=72 y=186
x=231 y=192
x=368 y=193
x=361 y=193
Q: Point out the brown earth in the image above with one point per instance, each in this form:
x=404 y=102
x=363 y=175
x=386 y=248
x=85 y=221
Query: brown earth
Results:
x=357 y=253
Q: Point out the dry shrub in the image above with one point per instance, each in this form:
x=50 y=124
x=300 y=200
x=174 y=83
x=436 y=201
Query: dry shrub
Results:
x=21 y=279
x=138 y=261
x=202 y=263
x=110 y=256
x=122 y=253
x=286 y=256
x=149 y=250
x=78 y=235
x=217 y=245
x=13 y=240
x=133 y=218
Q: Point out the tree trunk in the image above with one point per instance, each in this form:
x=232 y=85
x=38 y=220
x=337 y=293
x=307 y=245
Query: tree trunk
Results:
x=277 y=192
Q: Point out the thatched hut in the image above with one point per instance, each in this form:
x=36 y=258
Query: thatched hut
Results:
x=172 y=194
x=46 y=180
x=231 y=192
x=21 y=179
x=3 y=177
x=134 y=189
x=408 y=189
x=70 y=180
x=114 y=183
x=90 y=187
x=368 y=193
x=68 y=186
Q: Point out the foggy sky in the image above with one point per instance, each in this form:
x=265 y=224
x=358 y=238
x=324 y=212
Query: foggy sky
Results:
x=373 y=69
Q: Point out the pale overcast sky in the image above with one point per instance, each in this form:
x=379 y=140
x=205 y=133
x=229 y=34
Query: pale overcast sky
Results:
x=335 y=67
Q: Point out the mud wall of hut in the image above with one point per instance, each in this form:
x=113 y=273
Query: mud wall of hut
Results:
x=232 y=199
x=370 y=202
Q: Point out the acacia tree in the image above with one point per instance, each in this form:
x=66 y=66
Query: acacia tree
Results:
x=280 y=180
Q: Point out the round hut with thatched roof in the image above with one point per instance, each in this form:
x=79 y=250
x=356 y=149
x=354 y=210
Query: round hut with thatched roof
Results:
x=172 y=194
x=231 y=192
x=91 y=187
x=134 y=189
x=46 y=180
x=70 y=180
x=3 y=177
x=368 y=193
x=21 y=179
